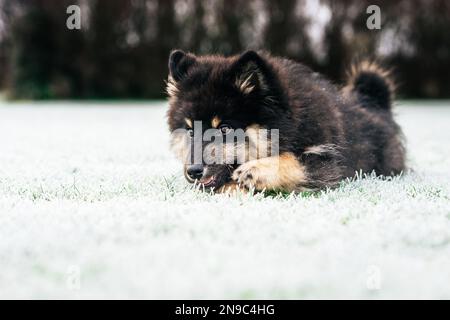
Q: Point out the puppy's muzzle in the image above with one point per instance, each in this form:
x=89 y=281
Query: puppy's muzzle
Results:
x=195 y=171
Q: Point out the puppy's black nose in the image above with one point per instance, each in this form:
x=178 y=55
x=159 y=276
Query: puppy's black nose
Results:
x=195 y=171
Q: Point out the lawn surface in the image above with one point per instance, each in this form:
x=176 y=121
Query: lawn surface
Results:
x=93 y=205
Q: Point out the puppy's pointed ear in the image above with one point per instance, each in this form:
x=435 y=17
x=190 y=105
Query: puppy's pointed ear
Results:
x=179 y=63
x=250 y=72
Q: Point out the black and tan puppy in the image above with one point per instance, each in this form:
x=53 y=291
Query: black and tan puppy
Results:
x=325 y=133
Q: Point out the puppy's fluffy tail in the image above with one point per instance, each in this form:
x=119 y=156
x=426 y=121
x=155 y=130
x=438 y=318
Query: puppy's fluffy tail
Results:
x=372 y=85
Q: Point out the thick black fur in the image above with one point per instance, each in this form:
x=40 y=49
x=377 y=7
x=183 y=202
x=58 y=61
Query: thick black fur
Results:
x=372 y=90
x=333 y=131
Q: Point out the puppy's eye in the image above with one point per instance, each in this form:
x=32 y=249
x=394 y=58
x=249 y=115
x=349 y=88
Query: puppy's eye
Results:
x=225 y=129
x=190 y=132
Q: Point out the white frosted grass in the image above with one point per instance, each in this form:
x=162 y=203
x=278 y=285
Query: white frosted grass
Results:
x=93 y=205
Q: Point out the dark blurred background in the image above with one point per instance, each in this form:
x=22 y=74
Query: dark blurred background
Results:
x=123 y=45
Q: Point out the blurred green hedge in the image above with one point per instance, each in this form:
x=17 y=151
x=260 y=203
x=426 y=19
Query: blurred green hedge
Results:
x=122 y=47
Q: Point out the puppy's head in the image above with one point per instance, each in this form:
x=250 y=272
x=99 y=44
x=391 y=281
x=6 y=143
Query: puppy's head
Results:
x=213 y=99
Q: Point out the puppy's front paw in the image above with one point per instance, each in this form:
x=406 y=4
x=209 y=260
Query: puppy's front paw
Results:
x=272 y=173
x=250 y=175
x=232 y=188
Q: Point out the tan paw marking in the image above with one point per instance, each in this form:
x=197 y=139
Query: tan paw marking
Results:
x=251 y=175
x=232 y=188
x=272 y=173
